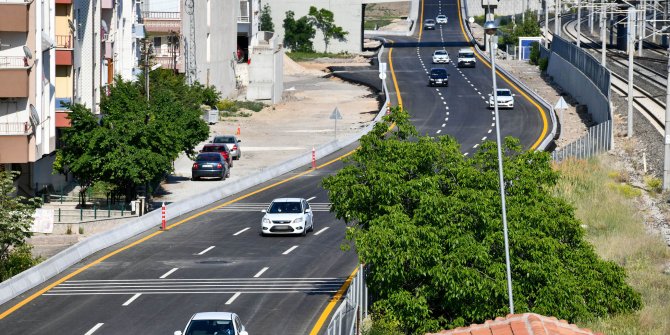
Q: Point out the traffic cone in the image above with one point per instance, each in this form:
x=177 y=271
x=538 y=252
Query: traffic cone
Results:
x=238 y=130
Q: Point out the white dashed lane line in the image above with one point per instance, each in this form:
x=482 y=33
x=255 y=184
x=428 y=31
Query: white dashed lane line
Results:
x=289 y=250
x=476 y=145
x=241 y=231
x=490 y=130
x=444 y=124
x=168 y=273
x=96 y=327
x=439 y=131
x=261 y=272
x=321 y=231
x=483 y=138
x=206 y=250
x=129 y=301
x=230 y=301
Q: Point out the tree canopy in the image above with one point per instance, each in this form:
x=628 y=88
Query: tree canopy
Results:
x=266 y=19
x=323 y=20
x=134 y=142
x=298 y=34
x=427 y=221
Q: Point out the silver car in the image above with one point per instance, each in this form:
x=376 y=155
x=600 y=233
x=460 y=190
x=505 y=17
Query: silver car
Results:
x=232 y=142
x=210 y=323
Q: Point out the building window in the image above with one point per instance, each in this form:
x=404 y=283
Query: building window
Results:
x=209 y=48
x=158 y=46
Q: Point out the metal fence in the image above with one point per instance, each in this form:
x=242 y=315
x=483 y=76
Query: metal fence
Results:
x=584 y=61
x=354 y=307
x=598 y=139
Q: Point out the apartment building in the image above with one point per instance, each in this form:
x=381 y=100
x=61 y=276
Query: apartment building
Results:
x=209 y=29
x=163 y=29
x=27 y=77
x=247 y=27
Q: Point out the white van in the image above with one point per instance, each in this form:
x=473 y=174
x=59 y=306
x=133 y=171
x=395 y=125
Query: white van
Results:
x=466 y=57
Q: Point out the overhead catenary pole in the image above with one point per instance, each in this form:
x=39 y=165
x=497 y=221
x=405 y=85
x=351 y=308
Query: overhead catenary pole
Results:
x=631 y=51
x=546 y=23
x=666 y=161
x=603 y=36
x=641 y=22
x=591 y=13
x=579 y=23
x=557 y=16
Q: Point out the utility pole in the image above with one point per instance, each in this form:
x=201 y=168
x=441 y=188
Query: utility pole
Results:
x=146 y=67
x=546 y=23
x=666 y=160
x=631 y=50
x=641 y=23
x=557 y=18
x=579 y=23
x=603 y=36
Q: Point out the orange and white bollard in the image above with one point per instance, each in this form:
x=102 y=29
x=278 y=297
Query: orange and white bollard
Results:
x=313 y=158
x=388 y=108
x=163 y=217
x=238 y=130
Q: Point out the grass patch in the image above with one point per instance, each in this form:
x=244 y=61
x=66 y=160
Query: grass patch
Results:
x=371 y=24
x=614 y=226
x=306 y=56
x=234 y=108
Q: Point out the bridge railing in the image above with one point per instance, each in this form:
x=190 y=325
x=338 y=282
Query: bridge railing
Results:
x=353 y=309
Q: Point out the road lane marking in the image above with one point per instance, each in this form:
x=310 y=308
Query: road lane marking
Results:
x=321 y=231
x=96 y=327
x=439 y=131
x=476 y=145
x=261 y=272
x=484 y=138
x=310 y=199
x=336 y=298
x=206 y=250
x=444 y=124
x=490 y=130
x=168 y=273
x=289 y=250
x=230 y=301
x=241 y=231
x=129 y=301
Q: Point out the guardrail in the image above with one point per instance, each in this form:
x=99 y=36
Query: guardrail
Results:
x=548 y=140
x=353 y=310
x=51 y=267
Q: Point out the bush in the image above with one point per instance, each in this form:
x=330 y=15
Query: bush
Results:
x=227 y=105
x=543 y=63
x=534 y=52
x=19 y=260
x=255 y=106
x=380 y=326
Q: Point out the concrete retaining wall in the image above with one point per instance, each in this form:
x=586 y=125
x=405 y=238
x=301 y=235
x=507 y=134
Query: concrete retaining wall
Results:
x=505 y=7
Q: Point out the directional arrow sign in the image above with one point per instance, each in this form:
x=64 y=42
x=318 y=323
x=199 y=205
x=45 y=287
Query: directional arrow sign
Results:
x=336 y=114
x=561 y=104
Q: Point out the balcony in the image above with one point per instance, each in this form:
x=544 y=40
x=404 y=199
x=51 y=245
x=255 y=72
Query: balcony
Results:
x=15 y=128
x=13 y=77
x=64 y=41
x=167 y=62
x=14 y=16
x=162 y=22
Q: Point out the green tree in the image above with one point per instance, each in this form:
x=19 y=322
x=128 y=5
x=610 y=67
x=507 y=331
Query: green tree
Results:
x=16 y=217
x=528 y=28
x=298 y=34
x=323 y=20
x=427 y=221
x=266 y=19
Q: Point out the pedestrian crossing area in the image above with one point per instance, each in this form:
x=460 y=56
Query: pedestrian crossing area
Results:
x=257 y=207
x=198 y=286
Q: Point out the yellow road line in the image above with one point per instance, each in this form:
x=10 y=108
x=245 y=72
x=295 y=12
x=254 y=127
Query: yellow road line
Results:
x=332 y=303
x=545 y=124
x=421 y=21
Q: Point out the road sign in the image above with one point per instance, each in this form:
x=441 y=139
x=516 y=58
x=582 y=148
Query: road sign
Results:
x=335 y=115
x=382 y=75
x=561 y=104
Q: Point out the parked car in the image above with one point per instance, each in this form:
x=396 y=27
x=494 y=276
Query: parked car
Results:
x=287 y=216
x=505 y=99
x=438 y=77
x=210 y=164
x=232 y=142
x=429 y=24
x=466 y=57
x=441 y=56
x=441 y=19
x=220 y=148
x=213 y=323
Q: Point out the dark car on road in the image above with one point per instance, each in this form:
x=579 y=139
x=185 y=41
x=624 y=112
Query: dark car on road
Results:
x=438 y=77
x=222 y=149
x=210 y=164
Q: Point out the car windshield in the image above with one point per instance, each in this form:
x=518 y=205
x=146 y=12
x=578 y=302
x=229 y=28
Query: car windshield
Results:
x=441 y=16
x=214 y=148
x=224 y=139
x=504 y=93
x=430 y=21
x=210 y=327
x=208 y=158
x=440 y=52
x=466 y=55
x=438 y=72
x=285 y=207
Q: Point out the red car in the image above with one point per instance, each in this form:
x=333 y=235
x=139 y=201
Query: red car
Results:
x=220 y=148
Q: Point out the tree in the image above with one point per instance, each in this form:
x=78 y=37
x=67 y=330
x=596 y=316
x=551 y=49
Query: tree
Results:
x=266 y=19
x=135 y=142
x=323 y=20
x=427 y=221
x=16 y=217
x=298 y=34
x=529 y=27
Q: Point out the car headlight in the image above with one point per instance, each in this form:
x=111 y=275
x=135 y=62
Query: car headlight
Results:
x=298 y=220
x=266 y=220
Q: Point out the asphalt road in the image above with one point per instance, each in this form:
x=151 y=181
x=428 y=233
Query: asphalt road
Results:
x=218 y=261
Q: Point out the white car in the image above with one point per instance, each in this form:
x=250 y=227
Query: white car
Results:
x=466 y=57
x=211 y=323
x=441 y=56
x=287 y=216
x=505 y=99
x=232 y=142
x=441 y=19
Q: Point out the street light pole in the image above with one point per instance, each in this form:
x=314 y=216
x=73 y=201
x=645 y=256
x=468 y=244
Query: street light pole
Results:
x=490 y=28
x=579 y=23
x=603 y=36
x=631 y=51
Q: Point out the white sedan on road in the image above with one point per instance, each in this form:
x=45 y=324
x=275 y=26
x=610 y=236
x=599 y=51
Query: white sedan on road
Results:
x=441 y=56
x=505 y=99
x=441 y=19
x=287 y=216
x=211 y=323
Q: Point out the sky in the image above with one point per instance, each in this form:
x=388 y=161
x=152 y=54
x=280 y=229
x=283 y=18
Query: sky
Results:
x=163 y=5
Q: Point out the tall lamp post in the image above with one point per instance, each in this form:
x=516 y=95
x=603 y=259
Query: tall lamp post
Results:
x=490 y=28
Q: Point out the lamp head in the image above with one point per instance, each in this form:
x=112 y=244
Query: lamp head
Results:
x=490 y=28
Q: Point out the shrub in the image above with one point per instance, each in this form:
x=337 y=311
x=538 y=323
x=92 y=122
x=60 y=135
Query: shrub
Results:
x=19 y=260
x=534 y=52
x=654 y=184
x=543 y=64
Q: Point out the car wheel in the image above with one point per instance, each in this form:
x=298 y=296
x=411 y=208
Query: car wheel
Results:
x=195 y=178
x=304 y=231
x=228 y=173
x=263 y=234
x=311 y=227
